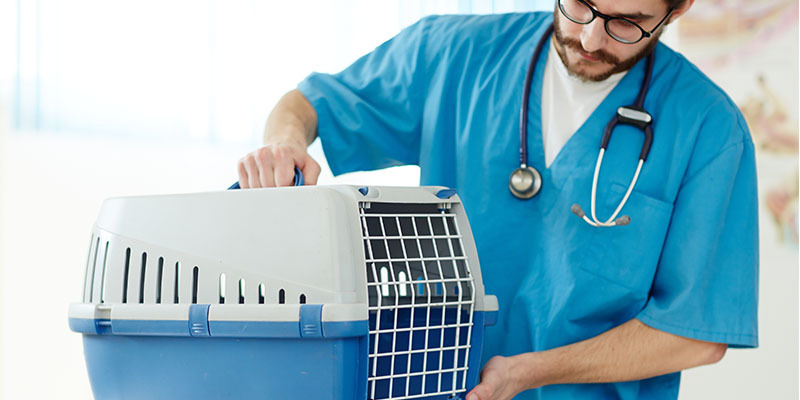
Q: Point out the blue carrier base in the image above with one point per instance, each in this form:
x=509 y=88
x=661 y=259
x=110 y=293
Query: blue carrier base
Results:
x=140 y=367
x=304 y=359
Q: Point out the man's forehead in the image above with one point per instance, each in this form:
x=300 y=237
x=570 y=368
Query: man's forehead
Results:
x=633 y=9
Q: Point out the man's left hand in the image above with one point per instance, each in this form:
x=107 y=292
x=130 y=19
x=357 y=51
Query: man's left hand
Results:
x=499 y=380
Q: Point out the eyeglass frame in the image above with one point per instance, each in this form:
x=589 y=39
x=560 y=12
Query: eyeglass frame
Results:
x=608 y=18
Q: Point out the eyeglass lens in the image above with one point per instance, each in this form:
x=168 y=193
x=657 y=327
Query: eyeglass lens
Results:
x=620 y=29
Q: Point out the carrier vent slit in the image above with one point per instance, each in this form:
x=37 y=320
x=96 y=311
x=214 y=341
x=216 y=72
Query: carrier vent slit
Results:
x=222 y=288
x=195 y=273
x=103 y=276
x=141 y=277
x=159 y=279
x=177 y=297
x=86 y=273
x=241 y=291
x=94 y=266
x=125 y=275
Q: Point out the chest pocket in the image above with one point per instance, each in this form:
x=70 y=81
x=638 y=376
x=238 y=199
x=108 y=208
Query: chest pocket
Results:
x=628 y=255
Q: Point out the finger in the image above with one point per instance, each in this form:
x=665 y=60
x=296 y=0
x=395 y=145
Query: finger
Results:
x=480 y=392
x=242 y=170
x=473 y=395
x=284 y=167
x=311 y=171
x=264 y=161
x=252 y=172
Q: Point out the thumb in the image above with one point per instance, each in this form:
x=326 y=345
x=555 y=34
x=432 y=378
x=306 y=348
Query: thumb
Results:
x=310 y=169
x=480 y=392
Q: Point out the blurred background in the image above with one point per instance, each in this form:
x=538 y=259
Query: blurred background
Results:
x=112 y=98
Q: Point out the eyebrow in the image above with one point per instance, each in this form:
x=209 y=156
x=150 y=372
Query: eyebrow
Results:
x=636 y=16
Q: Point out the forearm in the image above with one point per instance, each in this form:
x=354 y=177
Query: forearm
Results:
x=631 y=351
x=292 y=120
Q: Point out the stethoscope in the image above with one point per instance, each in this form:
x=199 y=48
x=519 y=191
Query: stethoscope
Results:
x=526 y=182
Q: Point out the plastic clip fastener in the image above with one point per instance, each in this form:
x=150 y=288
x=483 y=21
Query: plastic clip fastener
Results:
x=446 y=193
x=198 y=320
x=636 y=116
x=311 y=320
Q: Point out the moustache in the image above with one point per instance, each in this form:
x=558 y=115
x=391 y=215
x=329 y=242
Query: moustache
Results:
x=599 y=54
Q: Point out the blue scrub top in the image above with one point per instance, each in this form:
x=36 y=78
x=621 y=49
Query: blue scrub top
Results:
x=445 y=94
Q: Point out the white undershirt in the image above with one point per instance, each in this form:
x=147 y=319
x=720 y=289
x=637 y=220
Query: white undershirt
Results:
x=567 y=102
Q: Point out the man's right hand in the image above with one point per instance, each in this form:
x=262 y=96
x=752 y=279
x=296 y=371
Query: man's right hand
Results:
x=273 y=165
x=291 y=127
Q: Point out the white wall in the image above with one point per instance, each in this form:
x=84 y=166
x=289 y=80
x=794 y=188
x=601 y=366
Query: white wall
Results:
x=3 y=327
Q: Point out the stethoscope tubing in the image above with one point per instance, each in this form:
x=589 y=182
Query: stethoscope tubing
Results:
x=526 y=95
x=633 y=115
x=611 y=220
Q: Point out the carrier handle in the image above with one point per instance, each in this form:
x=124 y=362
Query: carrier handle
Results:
x=299 y=180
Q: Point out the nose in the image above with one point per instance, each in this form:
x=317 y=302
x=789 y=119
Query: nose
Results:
x=593 y=35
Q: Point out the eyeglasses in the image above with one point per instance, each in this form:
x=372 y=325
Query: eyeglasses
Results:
x=620 y=29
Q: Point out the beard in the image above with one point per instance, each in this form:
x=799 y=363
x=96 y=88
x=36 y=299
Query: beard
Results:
x=617 y=65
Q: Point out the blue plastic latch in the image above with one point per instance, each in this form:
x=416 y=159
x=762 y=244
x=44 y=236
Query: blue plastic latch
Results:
x=198 y=320
x=364 y=190
x=311 y=320
x=103 y=326
x=446 y=193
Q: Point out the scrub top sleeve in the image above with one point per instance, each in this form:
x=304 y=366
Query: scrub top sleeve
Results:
x=370 y=114
x=706 y=283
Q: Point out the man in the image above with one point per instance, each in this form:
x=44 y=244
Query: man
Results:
x=585 y=311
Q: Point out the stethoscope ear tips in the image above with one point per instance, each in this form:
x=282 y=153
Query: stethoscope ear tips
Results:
x=577 y=210
x=623 y=220
x=525 y=182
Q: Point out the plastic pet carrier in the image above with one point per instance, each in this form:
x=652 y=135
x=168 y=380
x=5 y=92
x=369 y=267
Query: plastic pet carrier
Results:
x=331 y=292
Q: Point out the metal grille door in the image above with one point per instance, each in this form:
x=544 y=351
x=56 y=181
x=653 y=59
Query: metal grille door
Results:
x=421 y=301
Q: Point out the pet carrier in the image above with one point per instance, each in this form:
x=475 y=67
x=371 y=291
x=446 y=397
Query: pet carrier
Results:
x=330 y=292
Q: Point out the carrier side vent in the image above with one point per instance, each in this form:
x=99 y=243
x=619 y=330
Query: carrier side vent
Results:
x=222 y=288
x=126 y=272
x=103 y=275
x=94 y=266
x=142 y=276
x=177 y=297
x=159 y=279
x=86 y=273
x=195 y=281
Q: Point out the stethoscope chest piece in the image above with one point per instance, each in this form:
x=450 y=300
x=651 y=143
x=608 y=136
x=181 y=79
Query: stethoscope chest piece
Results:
x=525 y=182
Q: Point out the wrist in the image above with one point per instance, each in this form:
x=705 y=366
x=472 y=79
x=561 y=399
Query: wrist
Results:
x=286 y=134
x=529 y=372
x=291 y=141
x=292 y=122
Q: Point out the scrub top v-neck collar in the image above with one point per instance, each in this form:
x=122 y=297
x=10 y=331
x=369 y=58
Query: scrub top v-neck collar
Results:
x=567 y=102
x=579 y=153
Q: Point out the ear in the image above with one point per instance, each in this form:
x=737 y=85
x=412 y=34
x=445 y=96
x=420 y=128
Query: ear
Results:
x=682 y=9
